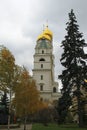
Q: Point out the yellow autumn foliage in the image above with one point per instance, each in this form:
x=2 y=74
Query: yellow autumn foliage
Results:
x=26 y=99
x=7 y=65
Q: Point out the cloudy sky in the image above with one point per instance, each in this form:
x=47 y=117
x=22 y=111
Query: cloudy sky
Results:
x=21 y=21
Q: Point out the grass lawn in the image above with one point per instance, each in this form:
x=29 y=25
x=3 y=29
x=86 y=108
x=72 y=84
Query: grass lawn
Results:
x=56 y=127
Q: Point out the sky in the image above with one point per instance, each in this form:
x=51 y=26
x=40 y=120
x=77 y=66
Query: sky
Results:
x=21 y=21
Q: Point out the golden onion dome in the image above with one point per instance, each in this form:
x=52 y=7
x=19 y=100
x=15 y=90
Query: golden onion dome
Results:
x=47 y=37
x=43 y=36
x=48 y=32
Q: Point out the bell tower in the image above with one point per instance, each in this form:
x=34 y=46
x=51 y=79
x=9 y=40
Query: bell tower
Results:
x=43 y=71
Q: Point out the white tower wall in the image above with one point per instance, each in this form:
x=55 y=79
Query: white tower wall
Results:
x=43 y=71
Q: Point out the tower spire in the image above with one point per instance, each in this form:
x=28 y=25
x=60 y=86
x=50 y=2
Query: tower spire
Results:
x=47 y=23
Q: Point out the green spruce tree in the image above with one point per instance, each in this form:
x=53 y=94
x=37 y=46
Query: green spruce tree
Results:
x=63 y=104
x=73 y=60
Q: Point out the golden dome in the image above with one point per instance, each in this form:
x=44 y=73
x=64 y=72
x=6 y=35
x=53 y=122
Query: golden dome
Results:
x=43 y=36
x=47 y=37
x=47 y=34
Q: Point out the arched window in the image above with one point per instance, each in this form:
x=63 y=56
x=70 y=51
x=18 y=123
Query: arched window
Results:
x=41 y=77
x=54 y=89
x=42 y=59
x=42 y=51
x=41 y=65
x=41 y=99
x=41 y=87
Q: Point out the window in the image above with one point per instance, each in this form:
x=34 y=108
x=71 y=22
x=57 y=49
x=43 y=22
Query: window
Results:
x=42 y=51
x=54 y=89
x=42 y=59
x=41 y=99
x=41 y=65
x=41 y=77
x=41 y=87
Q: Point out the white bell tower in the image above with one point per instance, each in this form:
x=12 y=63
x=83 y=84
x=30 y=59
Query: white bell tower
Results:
x=43 y=71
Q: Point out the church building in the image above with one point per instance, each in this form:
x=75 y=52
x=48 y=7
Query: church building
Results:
x=43 y=71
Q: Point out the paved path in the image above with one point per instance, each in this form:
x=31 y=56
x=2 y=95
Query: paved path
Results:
x=28 y=127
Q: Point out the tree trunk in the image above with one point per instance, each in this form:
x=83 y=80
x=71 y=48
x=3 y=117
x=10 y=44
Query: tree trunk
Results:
x=9 y=122
x=9 y=109
x=80 y=113
x=25 y=119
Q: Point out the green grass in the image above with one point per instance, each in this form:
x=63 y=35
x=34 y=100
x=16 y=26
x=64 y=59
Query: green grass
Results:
x=56 y=127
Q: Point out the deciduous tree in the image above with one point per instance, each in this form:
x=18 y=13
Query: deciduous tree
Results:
x=7 y=74
x=26 y=98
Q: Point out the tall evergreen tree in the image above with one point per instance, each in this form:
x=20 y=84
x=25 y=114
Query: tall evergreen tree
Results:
x=73 y=60
x=63 y=105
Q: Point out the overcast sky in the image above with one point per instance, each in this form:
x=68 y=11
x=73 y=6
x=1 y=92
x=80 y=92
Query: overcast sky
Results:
x=21 y=21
